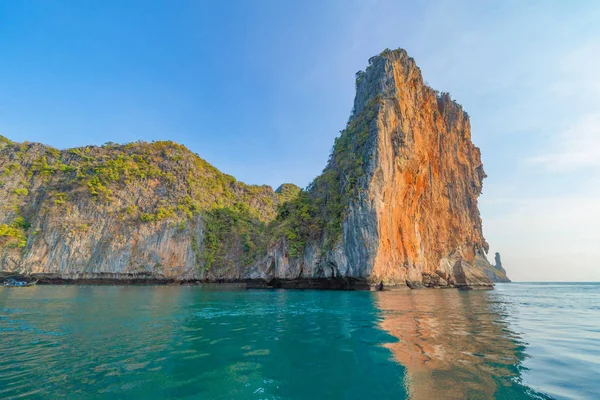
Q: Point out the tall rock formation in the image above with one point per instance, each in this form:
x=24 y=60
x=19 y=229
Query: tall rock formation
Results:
x=396 y=203
x=402 y=184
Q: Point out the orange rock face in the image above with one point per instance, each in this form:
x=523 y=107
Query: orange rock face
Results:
x=427 y=178
x=413 y=217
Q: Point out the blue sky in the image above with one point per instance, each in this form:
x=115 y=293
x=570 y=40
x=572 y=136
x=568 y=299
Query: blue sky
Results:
x=261 y=88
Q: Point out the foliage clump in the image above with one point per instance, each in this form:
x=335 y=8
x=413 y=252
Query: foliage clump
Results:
x=15 y=233
x=318 y=211
x=4 y=141
x=233 y=230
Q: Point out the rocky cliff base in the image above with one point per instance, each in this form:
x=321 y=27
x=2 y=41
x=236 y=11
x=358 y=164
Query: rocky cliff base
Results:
x=348 y=284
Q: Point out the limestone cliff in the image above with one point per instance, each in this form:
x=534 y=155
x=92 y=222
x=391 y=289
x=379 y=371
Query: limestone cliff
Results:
x=397 y=202
x=401 y=188
x=141 y=209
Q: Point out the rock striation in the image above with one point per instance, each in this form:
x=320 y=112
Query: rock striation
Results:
x=396 y=203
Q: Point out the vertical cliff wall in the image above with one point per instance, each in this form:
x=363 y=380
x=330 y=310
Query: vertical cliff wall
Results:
x=405 y=178
x=426 y=180
x=145 y=210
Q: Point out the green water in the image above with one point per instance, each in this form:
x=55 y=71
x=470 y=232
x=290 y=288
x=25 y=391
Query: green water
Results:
x=202 y=343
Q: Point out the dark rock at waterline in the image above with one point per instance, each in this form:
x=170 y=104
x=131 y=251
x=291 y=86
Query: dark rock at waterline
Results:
x=415 y=285
x=304 y=283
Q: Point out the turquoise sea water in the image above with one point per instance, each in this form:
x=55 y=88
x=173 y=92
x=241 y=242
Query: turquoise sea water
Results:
x=517 y=341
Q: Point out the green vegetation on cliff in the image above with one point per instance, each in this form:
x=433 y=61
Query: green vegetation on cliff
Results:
x=4 y=141
x=14 y=234
x=141 y=183
x=318 y=212
x=233 y=230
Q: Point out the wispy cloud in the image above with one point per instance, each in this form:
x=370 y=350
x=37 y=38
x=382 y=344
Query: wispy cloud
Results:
x=576 y=148
x=578 y=72
x=576 y=88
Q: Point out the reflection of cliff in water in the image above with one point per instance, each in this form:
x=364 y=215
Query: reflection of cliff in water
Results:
x=455 y=345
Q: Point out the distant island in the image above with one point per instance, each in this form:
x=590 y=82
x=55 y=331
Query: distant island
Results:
x=395 y=205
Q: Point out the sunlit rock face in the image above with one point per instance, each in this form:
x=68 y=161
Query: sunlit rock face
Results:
x=414 y=218
x=426 y=180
